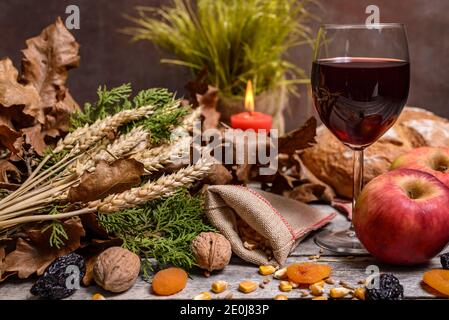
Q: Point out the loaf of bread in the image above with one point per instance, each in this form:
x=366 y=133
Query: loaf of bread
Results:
x=330 y=161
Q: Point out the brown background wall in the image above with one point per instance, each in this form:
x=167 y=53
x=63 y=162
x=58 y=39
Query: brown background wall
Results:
x=109 y=58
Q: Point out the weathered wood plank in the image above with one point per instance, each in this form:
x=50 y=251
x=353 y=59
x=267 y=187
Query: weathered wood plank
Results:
x=349 y=270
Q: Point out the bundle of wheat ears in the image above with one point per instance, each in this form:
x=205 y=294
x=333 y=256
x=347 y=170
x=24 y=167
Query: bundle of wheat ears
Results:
x=101 y=140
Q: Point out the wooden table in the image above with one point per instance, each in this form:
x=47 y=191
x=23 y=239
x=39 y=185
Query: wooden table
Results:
x=350 y=269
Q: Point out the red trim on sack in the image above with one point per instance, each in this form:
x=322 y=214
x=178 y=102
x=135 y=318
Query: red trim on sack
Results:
x=289 y=227
x=317 y=225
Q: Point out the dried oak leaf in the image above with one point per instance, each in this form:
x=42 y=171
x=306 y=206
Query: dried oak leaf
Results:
x=35 y=138
x=197 y=87
x=12 y=93
x=47 y=60
x=311 y=188
x=107 y=179
x=208 y=104
x=7 y=171
x=218 y=175
x=299 y=139
x=35 y=255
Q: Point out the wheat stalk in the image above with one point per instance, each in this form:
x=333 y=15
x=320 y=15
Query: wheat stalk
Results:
x=85 y=137
x=119 y=148
x=162 y=187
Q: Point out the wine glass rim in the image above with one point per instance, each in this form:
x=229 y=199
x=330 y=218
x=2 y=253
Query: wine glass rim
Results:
x=363 y=26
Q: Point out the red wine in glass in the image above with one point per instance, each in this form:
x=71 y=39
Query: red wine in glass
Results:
x=358 y=98
x=360 y=84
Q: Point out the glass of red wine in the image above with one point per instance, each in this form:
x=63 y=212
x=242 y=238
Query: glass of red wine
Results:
x=360 y=84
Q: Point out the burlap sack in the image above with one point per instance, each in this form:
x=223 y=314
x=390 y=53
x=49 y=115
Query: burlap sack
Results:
x=284 y=222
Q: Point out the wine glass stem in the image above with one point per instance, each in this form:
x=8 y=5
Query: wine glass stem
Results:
x=358 y=183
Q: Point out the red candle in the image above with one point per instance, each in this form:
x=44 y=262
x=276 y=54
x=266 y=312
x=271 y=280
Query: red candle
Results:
x=251 y=119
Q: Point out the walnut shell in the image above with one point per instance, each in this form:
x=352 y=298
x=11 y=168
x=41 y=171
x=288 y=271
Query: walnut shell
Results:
x=212 y=251
x=116 y=269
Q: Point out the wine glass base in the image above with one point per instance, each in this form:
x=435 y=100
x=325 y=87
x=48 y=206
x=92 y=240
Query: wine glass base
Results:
x=340 y=241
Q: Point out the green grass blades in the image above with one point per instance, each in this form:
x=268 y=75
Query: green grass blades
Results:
x=235 y=40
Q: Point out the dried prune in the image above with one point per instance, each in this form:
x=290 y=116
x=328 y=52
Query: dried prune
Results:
x=389 y=288
x=61 y=278
x=444 y=258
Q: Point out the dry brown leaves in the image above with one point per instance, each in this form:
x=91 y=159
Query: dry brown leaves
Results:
x=205 y=96
x=37 y=104
x=34 y=254
x=107 y=179
x=298 y=139
x=8 y=171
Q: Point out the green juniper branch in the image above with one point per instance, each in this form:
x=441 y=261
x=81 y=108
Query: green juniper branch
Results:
x=161 y=229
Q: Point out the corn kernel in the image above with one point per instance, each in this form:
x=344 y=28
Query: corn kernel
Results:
x=294 y=285
x=316 y=289
x=248 y=286
x=203 y=296
x=266 y=270
x=285 y=286
x=98 y=296
x=281 y=297
x=219 y=286
x=337 y=293
x=359 y=293
x=320 y=298
x=281 y=274
x=320 y=283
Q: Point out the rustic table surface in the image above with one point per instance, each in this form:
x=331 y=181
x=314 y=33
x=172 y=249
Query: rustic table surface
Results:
x=348 y=269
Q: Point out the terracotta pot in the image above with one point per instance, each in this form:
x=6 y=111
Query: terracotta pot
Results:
x=270 y=102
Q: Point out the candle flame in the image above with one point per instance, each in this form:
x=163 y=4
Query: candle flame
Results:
x=249 y=97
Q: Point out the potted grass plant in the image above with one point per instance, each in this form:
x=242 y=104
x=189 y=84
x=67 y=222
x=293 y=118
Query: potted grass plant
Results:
x=235 y=40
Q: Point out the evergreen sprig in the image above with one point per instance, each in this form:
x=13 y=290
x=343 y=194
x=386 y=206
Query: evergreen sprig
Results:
x=167 y=114
x=161 y=229
x=58 y=235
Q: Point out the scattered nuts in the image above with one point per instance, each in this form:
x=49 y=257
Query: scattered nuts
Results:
x=281 y=274
x=203 y=296
x=320 y=298
x=250 y=245
x=281 y=297
x=346 y=285
x=116 y=269
x=266 y=270
x=285 y=286
x=219 y=286
x=359 y=293
x=316 y=289
x=329 y=281
x=304 y=293
x=337 y=293
x=294 y=285
x=261 y=285
x=248 y=286
x=211 y=250
x=98 y=296
x=266 y=281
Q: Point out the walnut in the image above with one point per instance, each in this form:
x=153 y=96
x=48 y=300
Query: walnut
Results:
x=212 y=251
x=116 y=269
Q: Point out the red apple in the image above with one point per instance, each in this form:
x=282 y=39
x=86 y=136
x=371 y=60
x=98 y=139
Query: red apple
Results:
x=432 y=160
x=402 y=217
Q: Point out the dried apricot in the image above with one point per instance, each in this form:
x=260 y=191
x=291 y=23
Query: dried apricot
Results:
x=438 y=279
x=169 y=281
x=308 y=273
